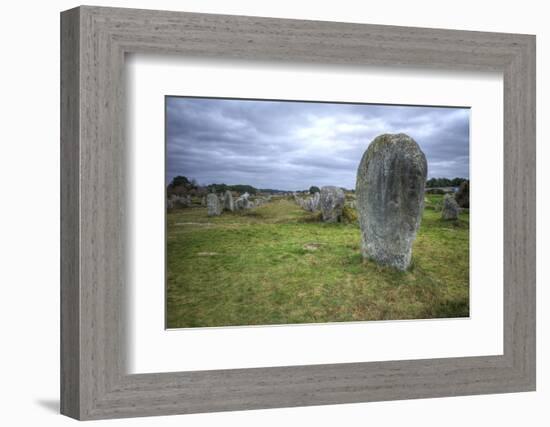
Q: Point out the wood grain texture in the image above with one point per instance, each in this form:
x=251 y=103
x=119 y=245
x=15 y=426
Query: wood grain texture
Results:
x=94 y=381
x=70 y=291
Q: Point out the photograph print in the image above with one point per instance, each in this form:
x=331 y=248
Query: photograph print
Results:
x=286 y=212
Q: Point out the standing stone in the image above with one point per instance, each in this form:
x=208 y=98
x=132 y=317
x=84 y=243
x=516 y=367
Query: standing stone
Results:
x=308 y=204
x=463 y=195
x=390 y=198
x=242 y=202
x=213 y=205
x=316 y=202
x=228 y=204
x=332 y=203
x=180 y=201
x=450 y=208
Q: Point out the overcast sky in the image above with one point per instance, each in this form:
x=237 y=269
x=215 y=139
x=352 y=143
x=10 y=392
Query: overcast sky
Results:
x=293 y=145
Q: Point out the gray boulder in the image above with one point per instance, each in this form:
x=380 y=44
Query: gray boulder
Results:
x=450 y=209
x=243 y=203
x=180 y=201
x=462 y=196
x=308 y=204
x=316 y=202
x=228 y=204
x=332 y=203
x=213 y=205
x=390 y=198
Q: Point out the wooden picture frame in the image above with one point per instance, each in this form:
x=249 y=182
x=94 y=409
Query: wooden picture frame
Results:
x=94 y=382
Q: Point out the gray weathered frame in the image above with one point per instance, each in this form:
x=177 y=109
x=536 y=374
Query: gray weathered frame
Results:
x=94 y=41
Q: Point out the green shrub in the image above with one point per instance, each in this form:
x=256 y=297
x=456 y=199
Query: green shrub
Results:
x=349 y=214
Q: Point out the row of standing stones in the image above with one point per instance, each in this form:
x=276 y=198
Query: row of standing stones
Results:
x=389 y=199
x=217 y=204
x=330 y=201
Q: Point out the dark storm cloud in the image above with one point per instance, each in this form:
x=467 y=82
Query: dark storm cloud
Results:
x=293 y=145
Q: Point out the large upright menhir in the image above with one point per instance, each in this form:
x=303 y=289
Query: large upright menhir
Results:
x=390 y=198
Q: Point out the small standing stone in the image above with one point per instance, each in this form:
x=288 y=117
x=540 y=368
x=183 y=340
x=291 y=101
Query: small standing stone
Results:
x=316 y=203
x=243 y=202
x=228 y=204
x=308 y=204
x=332 y=203
x=450 y=208
x=463 y=195
x=180 y=201
x=213 y=205
x=390 y=198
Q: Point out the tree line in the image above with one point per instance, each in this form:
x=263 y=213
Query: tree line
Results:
x=181 y=185
x=444 y=182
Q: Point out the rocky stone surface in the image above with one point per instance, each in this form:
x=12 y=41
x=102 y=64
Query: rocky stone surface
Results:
x=213 y=205
x=175 y=201
x=243 y=202
x=307 y=204
x=390 y=198
x=316 y=202
x=462 y=196
x=450 y=209
x=331 y=203
x=228 y=204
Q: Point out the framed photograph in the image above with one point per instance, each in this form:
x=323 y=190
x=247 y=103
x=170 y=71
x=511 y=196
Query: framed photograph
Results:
x=262 y=213
x=269 y=220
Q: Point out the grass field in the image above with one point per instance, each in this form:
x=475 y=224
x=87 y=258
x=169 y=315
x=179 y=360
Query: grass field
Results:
x=278 y=264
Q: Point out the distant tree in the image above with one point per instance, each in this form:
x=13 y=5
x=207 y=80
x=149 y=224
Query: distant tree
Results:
x=430 y=183
x=222 y=188
x=456 y=182
x=179 y=181
x=182 y=186
x=313 y=189
x=444 y=182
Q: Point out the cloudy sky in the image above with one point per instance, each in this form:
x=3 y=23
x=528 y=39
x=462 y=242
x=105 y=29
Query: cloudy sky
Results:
x=293 y=145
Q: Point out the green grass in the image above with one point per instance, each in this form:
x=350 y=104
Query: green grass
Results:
x=278 y=264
